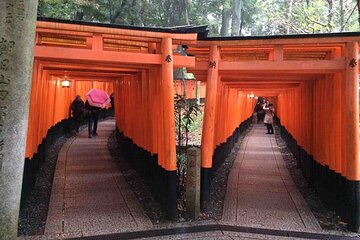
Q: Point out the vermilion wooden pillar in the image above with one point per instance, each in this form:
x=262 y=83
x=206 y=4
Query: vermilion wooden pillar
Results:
x=352 y=112
x=167 y=91
x=207 y=140
x=337 y=116
x=352 y=133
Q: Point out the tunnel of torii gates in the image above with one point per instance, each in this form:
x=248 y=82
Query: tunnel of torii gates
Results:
x=311 y=79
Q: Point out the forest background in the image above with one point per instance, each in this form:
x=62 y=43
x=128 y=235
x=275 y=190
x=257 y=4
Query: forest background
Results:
x=224 y=17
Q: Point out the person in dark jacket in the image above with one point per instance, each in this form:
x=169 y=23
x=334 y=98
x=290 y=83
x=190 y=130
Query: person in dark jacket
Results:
x=112 y=104
x=93 y=117
x=77 y=109
x=112 y=100
x=260 y=113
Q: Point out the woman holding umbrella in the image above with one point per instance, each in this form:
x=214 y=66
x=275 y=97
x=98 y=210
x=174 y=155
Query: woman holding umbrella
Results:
x=93 y=117
x=95 y=100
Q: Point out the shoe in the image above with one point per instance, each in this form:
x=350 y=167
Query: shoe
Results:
x=272 y=133
x=90 y=136
x=268 y=133
x=95 y=134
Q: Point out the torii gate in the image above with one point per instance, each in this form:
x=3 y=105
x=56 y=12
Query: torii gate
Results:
x=314 y=82
x=133 y=62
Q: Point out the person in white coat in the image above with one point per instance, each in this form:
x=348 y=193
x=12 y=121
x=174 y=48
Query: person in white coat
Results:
x=269 y=118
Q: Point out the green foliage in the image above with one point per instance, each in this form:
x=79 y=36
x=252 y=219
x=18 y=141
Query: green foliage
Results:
x=181 y=161
x=259 y=17
x=179 y=105
x=314 y=16
x=186 y=113
x=189 y=117
x=186 y=120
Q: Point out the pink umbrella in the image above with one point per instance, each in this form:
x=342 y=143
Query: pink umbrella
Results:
x=97 y=98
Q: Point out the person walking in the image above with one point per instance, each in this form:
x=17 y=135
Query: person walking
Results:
x=112 y=109
x=269 y=117
x=93 y=117
x=260 y=113
x=77 y=109
x=112 y=101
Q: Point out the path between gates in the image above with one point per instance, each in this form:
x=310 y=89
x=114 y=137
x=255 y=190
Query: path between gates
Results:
x=91 y=200
x=89 y=194
x=260 y=191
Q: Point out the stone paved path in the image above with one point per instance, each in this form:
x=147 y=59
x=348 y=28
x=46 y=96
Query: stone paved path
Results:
x=89 y=195
x=260 y=191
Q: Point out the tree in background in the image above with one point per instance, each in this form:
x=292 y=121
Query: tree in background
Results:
x=224 y=17
x=236 y=18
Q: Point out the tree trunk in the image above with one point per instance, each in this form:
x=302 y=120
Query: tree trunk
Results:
x=136 y=14
x=79 y=15
x=174 y=13
x=235 y=21
x=110 y=10
x=178 y=13
x=186 y=12
x=167 y=9
x=241 y=22
x=17 y=34
x=120 y=13
x=330 y=15
x=289 y=16
x=342 y=13
x=358 y=7
x=225 y=18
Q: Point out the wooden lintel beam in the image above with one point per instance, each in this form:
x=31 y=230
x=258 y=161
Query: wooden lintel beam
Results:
x=82 y=79
x=282 y=76
x=81 y=66
x=261 y=88
x=262 y=81
x=313 y=66
x=184 y=61
x=263 y=84
x=263 y=94
x=86 y=68
x=74 y=54
x=90 y=74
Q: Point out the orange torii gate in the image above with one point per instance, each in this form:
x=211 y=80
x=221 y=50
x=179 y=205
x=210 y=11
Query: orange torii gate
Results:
x=134 y=63
x=301 y=74
x=314 y=82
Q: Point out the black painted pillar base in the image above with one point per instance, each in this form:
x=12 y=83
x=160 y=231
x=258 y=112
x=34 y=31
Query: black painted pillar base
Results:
x=205 y=183
x=354 y=205
x=163 y=183
x=337 y=192
x=221 y=152
x=171 y=199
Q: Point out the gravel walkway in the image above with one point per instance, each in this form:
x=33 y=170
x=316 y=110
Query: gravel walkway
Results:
x=33 y=214
x=327 y=219
x=89 y=195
